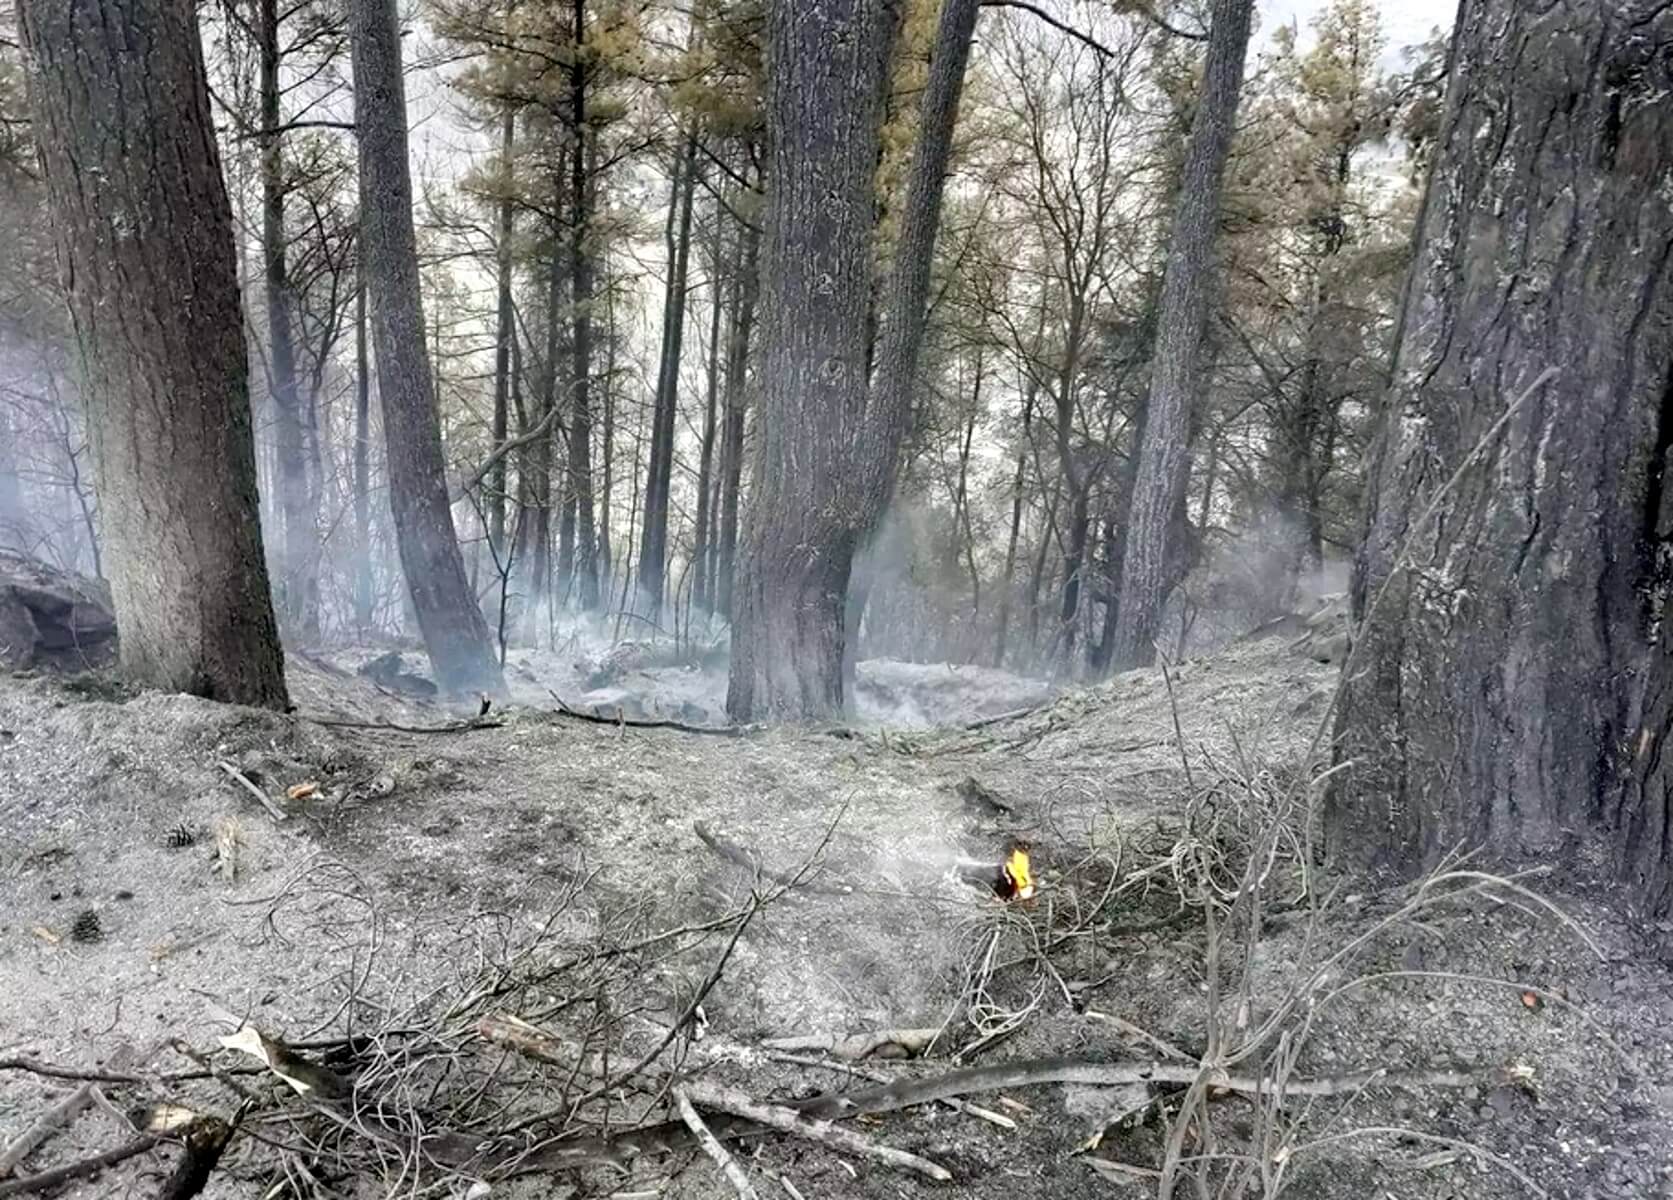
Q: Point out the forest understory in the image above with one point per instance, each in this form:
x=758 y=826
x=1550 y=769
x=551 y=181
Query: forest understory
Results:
x=515 y=932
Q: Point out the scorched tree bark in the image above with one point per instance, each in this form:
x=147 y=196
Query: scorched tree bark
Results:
x=143 y=230
x=455 y=632
x=1150 y=562
x=1512 y=683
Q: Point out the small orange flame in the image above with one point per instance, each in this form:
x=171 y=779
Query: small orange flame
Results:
x=1016 y=877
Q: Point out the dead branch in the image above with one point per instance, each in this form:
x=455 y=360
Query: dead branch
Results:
x=963 y=1106
x=620 y=720
x=205 y=1140
x=53 y=1071
x=712 y=1147
x=752 y=862
x=470 y=726
x=786 y=1120
x=59 y=1116
x=243 y=780
x=58 y=1176
x=857 y=1045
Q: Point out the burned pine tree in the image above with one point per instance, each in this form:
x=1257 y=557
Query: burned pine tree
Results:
x=1511 y=679
x=455 y=633
x=144 y=237
x=1152 y=555
x=829 y=445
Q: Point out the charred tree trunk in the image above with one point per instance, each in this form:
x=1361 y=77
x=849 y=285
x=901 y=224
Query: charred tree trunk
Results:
x=298 y=582
x=580 y=481
x=817 y=502
x=504 y=331
x=703 y=549
x=455 y=633
x=737 y=410
x=362 y=460
x=141 y=219
x=1510 y=681
x=1163 y=469
x=653 y=540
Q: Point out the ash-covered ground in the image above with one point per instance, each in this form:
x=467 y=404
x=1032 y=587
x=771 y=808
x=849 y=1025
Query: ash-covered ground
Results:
x=415 y=873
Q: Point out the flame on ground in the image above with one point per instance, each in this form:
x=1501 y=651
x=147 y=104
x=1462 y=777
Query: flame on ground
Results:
x=1018 y=879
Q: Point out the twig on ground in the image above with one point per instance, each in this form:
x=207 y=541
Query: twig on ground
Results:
x=857 y=1045
x=243 y=781
x=963 y=1106
x=712 y=1147
x=620 y=720
x=752 y=862
x=784 y=1120
x=59 y=1116
x=58 y=1176
x=393 y=727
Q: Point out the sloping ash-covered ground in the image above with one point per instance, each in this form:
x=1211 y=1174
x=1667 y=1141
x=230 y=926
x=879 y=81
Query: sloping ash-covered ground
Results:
x=548 y=867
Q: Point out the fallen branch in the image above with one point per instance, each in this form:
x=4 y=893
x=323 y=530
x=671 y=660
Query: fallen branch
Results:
x=963 y=1106
x=59 y=1116
x=786 y=1120
x=243 y=780
x=53 y=1071
x=76 y=1170
x=390 y=726
x=751 y=862
x=858 y=1045
x=620 y=720
x=712 y=1147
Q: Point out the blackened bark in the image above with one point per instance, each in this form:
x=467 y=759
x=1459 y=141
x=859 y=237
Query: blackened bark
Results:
x=737 y=410
x=504 y=331
x=826 y=64
x=455 y=633
x=830 y=446
x=653 y=540
x=143 y=231
x=298 y=582
x=1163 y=470
x=580 y=482
x=703 y=549
x=362 y=459
x=1509 y=686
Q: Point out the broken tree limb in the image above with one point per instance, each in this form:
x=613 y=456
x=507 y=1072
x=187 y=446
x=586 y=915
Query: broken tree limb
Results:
x=788 y=1120
x=858 y=1045
x=205 y=1140
x=620 y=720
x=58 y=1176
x=825 y=1064
x=712 y=1147
x=539 y=430
x=59 y=1116
x=243 y=781
x=751 y=862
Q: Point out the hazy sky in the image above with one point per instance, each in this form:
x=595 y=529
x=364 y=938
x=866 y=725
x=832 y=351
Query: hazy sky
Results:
x=1404 y=21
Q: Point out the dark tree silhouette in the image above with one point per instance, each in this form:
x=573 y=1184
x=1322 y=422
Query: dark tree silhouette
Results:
x=455 y=632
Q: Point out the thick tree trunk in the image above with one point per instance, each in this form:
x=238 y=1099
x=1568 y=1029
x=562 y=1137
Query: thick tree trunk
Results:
x=737 y=410
x=1507 y=688
x=829 y=446
x=455 y=633
x=143 y=230
x=298 y=582
x=653 y=541
x=824 y=86
x=1163 y=469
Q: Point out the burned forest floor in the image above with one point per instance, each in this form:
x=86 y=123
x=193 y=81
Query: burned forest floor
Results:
x=512 y=934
